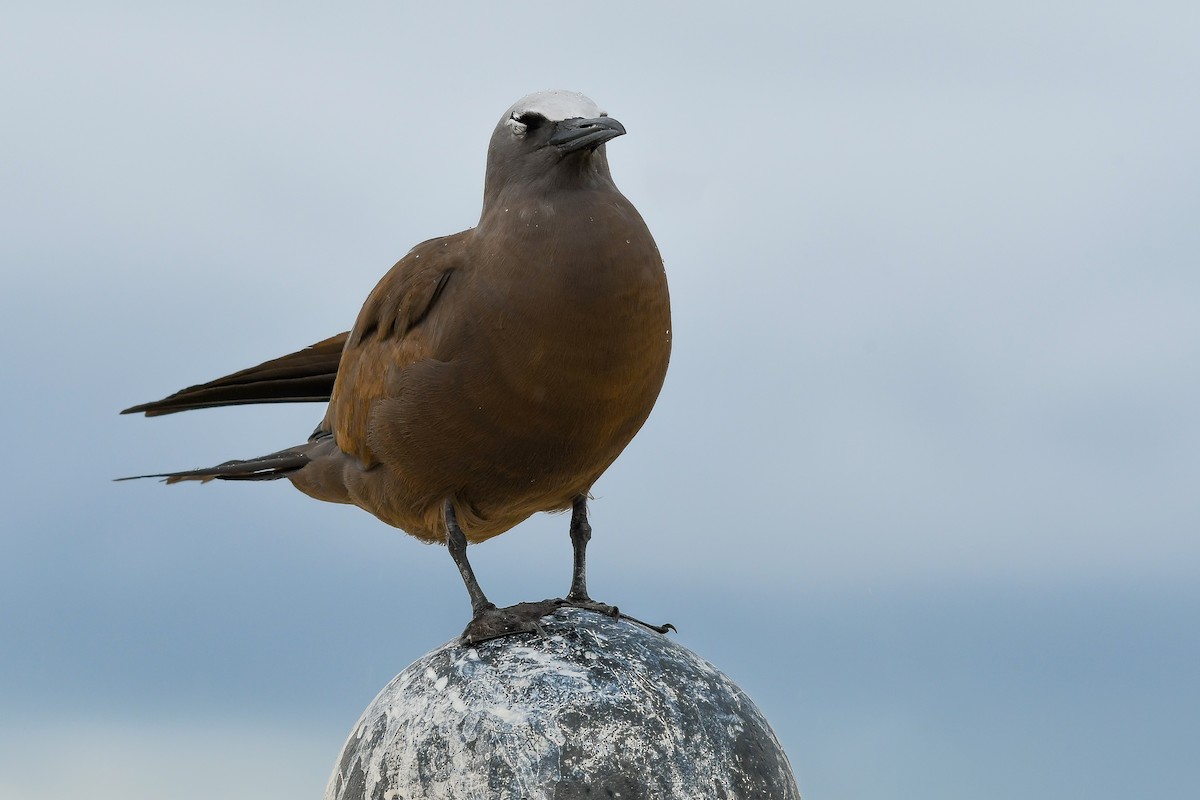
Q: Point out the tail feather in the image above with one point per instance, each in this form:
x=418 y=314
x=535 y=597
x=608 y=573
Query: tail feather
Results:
x=306 y=376
x=266 y=468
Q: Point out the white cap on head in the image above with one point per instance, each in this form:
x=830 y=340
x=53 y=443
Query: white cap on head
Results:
x=557 y=105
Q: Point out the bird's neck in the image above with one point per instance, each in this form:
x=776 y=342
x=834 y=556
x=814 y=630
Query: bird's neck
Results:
x=516 y=207
x=573 y=181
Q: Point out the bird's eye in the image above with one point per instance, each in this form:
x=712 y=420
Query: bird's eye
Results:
x=529 y=120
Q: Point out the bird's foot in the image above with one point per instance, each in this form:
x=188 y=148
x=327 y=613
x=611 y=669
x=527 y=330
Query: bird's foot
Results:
x=588 y=604
x=492 y=623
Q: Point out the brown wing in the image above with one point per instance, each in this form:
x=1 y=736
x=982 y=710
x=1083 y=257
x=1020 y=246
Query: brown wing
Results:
x=306 y=376
x=387 y=337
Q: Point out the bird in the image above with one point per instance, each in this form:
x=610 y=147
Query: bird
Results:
x=491 y=374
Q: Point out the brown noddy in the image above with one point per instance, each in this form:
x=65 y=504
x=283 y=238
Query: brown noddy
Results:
x=491 y=374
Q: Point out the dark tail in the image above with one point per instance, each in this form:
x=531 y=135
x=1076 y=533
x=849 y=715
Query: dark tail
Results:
x=266 y=468
x=306 y=376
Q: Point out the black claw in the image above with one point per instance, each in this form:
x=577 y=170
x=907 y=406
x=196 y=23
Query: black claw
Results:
x=666 y=626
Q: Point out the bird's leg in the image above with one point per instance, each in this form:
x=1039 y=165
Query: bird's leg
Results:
x=487 y=621
x=577 y=597
x=456 y=543
x=581 y=534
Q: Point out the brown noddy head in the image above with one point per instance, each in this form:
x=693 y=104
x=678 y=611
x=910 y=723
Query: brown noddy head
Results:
x=546 y=142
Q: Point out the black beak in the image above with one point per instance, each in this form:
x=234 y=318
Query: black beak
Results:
x=576 y=134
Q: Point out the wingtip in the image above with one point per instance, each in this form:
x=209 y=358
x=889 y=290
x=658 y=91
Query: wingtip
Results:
x=141 y=408
x=148 y=409
x=166 y=477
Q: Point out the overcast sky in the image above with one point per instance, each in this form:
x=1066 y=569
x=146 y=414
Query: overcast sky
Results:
x=923 y=478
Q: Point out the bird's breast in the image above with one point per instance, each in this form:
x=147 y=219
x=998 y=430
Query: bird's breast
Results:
x=575 y=317
x=570 y=345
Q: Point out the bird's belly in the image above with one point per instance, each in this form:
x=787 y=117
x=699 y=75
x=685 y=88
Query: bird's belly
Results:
x=504 y=440
x=546 y=437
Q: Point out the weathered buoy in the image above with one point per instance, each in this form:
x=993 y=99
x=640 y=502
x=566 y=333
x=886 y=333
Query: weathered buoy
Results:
x=595 y=708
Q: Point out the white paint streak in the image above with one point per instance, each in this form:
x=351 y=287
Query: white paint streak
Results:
x=510 y=715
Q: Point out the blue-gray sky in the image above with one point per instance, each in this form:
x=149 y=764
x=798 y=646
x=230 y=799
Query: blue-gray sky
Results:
x=923 y=477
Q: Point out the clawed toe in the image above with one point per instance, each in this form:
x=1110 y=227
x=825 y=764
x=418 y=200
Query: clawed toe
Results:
x=666 y=626
x=589 y=604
